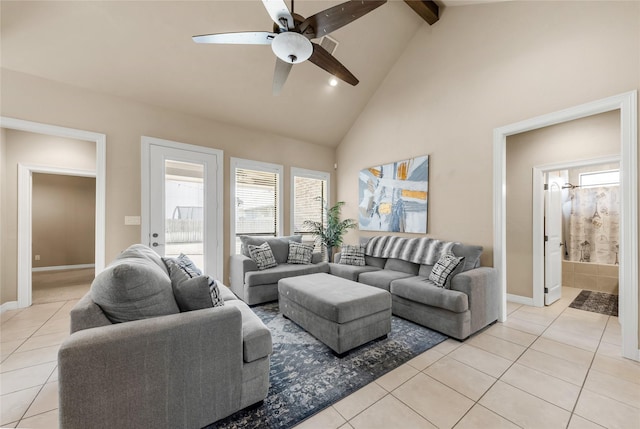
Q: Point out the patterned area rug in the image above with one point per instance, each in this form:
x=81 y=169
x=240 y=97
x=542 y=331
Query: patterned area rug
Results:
x=596 y=302
x=307 y=377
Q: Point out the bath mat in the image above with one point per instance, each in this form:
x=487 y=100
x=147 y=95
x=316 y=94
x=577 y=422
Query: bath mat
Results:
x=596 y=302
x=307 y=377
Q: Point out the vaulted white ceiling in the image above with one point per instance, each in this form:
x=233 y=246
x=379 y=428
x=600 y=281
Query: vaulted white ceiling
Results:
x=142 y=50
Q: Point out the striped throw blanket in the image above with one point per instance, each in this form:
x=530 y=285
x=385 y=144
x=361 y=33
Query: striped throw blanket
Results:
x=421 y=250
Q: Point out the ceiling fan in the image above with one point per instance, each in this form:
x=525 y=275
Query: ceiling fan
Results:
x=291 y=37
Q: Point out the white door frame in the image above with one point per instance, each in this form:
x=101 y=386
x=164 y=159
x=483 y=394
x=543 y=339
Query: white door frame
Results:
x=538 y=217
x=25 y=222
x=627 y=103
x=146 y=144
x=24 y=197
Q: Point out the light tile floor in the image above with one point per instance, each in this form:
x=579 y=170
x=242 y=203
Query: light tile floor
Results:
x=544 y=368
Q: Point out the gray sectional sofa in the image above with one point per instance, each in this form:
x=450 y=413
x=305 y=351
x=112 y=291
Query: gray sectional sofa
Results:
x=471 y=303
x=175 y=370
x=255 y=286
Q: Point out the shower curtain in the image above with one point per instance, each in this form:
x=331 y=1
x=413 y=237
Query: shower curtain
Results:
x=594 y=225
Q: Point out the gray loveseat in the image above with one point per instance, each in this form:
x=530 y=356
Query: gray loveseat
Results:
x=178 y=370
x=255 y=286
x=471 y=303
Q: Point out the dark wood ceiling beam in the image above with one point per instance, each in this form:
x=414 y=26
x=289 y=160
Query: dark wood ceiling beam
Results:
x=427 y=9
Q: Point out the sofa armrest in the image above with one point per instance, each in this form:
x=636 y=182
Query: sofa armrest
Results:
x=481 y=286
x=239 y=266
x=180 y=370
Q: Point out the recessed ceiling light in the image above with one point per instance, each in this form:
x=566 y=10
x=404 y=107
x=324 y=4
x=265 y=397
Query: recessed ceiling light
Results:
x=333 y=81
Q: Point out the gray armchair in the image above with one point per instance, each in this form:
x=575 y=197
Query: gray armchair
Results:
x=182 y=370
x=178 y=370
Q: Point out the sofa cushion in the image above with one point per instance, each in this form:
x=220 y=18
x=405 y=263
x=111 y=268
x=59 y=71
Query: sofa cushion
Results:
x=140 y=251
x=262 y=256
x=443 y=271
x=375 y=262
x=425 y=270
x=402 y=266
x=272 y=275
x=132 y=289
x=381 y=278
x=256 y=337
x=191 y=293
x=349 y=272
x=86 y=314
x=225 y=293
x=422 y=290
x=299 y=253
x=279 y=245
x=471 y=255
x=352 y=255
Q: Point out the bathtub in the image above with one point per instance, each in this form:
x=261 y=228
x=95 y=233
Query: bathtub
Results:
x=591 y=276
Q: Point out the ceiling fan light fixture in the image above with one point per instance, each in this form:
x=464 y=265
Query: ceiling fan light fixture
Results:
x=292 y=47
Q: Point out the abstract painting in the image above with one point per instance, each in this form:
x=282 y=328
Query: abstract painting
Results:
x=393 y=197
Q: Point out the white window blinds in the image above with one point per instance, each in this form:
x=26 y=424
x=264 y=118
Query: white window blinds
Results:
x=257 y=202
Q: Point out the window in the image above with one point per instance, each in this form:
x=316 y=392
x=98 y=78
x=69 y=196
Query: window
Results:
x=256 y=195
x=308 y=189
x=600 y=178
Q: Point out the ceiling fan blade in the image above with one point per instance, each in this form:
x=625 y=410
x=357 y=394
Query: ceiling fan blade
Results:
x=278 y=11
x=243 y=38
x=280 y=75
x=323 y=59
x=323 y=23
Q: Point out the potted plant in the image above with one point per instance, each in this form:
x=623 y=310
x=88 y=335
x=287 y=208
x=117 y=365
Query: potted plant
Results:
x=330 y=236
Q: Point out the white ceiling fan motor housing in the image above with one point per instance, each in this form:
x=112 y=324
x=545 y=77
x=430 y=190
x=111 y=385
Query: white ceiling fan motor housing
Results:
x=292 y=47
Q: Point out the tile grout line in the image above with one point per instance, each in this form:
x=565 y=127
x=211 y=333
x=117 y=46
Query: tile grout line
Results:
x=48 y=377
x=387 y=393
x=587 y=376
x=40 y=327
x=50 y=374
x=514 y=362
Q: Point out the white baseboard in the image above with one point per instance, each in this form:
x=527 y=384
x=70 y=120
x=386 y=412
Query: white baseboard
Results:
x=520 y=299
x=63 y=267
x=10 y=305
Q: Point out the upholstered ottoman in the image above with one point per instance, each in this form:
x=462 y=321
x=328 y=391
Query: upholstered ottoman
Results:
x=341 y=313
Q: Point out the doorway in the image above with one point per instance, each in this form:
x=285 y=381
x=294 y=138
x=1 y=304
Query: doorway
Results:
x=590 y=236
x=24 y=209
x=627 y=105
x=63 y=236
x=182 y=202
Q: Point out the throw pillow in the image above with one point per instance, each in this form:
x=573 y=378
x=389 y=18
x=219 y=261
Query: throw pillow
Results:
x=444 y=270
x=352 y=255
x=279 y=245
x=188 y=265
x=191 y=293
x=193 y=272
x=262 y=256
x=299 y=253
